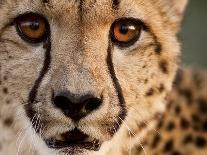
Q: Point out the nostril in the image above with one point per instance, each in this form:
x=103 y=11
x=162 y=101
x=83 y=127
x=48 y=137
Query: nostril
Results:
x=62 y=102
x=92 y=104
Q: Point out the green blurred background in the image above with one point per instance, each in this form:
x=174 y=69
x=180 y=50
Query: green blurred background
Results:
x=194 y=34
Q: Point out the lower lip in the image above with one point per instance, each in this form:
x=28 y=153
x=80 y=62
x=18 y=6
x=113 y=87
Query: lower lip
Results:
x=54 y=144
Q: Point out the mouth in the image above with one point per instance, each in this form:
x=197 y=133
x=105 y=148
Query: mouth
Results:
x=74 y=139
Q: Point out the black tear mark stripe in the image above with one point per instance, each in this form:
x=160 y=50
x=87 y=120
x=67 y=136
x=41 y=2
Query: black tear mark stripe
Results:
x=33 y=93
x=45 y=68
x=115 y=4
x=81 y=11
x=157 y=44
x=117 y=87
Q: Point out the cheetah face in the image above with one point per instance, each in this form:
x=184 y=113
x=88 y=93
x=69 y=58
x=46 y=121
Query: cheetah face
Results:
x=82 y=69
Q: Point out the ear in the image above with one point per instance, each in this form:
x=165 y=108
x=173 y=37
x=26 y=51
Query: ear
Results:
x=174 y=12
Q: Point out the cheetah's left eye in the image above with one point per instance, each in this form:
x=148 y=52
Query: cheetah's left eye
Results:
x=32 y=27
x=125 y=31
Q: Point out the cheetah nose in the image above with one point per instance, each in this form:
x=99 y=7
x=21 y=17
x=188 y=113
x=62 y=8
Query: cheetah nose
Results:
x=76 y=106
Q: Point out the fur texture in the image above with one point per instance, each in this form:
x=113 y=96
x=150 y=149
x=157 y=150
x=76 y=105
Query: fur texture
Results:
x=81 y=59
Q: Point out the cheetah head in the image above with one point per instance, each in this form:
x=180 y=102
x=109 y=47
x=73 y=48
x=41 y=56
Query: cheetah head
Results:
x=86 y=73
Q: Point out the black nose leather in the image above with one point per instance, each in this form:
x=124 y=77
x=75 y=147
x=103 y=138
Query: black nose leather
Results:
x=75 y=106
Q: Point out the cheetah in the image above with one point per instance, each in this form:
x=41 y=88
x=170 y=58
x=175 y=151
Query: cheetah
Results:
x=88 y=77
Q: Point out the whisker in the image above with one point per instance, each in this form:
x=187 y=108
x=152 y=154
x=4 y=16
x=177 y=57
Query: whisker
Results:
x=107 y=133
x=21 y=142
x=133 y=134
x=20 y=134
x=146 y=123
x=22 y=130
x=129 y=131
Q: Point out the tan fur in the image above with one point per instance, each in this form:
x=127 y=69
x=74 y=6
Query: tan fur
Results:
x=182 y=129
x=80 y=40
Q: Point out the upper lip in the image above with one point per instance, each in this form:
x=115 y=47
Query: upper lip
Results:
x=74 y=139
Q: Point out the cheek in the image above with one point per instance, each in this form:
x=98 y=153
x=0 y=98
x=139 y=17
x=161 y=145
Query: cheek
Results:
x=134 y=72
x=141 y=75
x=20 y=68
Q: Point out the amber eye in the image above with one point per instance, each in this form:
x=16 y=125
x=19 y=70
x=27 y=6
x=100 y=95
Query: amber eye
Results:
x=125 y=32
x=32 y=27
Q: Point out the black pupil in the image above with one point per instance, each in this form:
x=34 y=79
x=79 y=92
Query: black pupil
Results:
x=34 y=25
x=124 y=29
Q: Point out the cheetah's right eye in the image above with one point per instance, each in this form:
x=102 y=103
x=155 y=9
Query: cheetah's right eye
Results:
x=32 y=27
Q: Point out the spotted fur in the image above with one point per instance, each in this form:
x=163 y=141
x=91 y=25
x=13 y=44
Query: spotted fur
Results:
x=79 y=58
x=182 y=129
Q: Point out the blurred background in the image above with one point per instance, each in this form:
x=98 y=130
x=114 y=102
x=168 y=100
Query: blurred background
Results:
x=194 y=34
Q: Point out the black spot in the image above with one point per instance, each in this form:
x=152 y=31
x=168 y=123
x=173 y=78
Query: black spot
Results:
x=170 y=126
x=138 y=149
x=179 y=77
x=5 y=78
x=146 y=81
x=45 y=1
x=168 y=147
x=205 y=126
x=160 y=124
x=200 y=142
x=8 y=122
x=176 y=153
x=150 y=92
x=142 y=125
x=196 y=127
x=163 y=66
x=156 y=44
x=5 y=90
x=169 y=104
x=196 y=118
x=202 y=103
x=177 y=110
x=188 y=139
x=197 y=79
x=158 y=47
x=8 y=101
x=161 y=88
x=184 y=123
x=155 y=141
x=188 y=94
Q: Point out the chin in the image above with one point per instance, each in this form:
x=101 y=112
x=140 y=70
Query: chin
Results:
x=74 y=142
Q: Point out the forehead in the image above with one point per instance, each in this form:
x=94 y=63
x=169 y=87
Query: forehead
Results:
x=88 y=9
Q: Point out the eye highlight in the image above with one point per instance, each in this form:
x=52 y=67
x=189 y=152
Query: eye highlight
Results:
x=32 y=27
x=125 y=31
